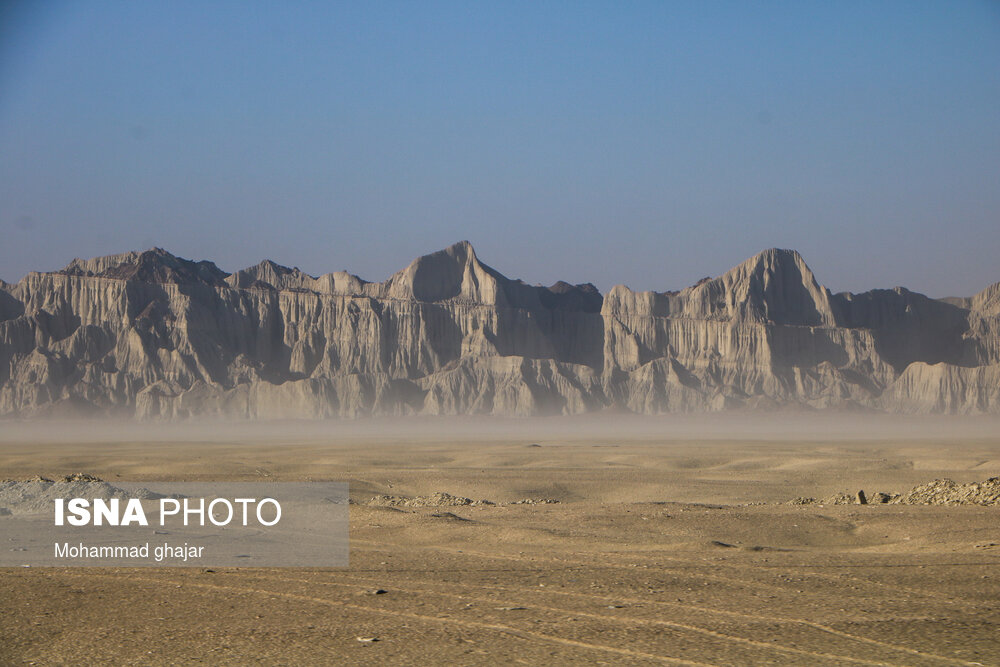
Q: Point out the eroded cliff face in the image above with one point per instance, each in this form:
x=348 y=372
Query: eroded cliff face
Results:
x=151 y=335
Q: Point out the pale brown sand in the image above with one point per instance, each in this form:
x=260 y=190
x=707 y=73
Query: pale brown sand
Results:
x=656 y=554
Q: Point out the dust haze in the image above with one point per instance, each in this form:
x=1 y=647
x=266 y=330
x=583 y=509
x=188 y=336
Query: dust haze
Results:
x=601 y=539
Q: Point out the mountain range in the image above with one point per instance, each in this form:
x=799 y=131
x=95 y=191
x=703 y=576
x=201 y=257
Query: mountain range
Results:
x=153 y=336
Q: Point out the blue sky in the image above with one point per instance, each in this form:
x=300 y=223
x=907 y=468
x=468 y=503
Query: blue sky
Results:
x=641 y=143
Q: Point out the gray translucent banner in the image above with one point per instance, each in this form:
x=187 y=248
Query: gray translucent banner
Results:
x=92 y=523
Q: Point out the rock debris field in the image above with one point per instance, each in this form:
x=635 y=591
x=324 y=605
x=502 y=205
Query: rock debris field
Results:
x=938 y=492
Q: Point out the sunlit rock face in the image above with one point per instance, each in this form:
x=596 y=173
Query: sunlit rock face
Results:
x=152 y=336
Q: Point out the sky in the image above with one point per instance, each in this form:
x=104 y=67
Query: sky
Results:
x=640 y=143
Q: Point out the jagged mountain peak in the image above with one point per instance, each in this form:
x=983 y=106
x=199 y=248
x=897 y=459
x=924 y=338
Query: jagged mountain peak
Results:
x=773 y=261
x=462 y=246
x=777 y=254
x=271 y=265
x=561 y=287
x=96 y=265
x=454 y=272
x=155 y=265
x=457 y=254
x=775 y=285
x=564 y=296
x=987 y=302
x=270 y=274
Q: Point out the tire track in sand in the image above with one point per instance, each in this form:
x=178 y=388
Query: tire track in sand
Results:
x=718 y=577
x=616 y=619
x=742 y=582
x=496 y=627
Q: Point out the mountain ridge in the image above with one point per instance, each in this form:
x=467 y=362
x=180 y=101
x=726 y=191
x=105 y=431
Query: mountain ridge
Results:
x=148 y=334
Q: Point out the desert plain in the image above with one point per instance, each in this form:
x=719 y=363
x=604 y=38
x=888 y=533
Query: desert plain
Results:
x=606 y=540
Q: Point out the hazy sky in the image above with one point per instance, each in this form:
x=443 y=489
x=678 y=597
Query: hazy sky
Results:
x=641 y=143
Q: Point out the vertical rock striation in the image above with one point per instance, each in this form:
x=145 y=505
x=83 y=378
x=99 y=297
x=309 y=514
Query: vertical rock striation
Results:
x=151 y=335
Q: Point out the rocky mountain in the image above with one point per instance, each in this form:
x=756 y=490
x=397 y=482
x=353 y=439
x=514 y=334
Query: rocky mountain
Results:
x=151 y=335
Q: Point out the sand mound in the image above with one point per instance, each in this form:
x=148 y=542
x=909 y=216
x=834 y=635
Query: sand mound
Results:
x=947 y=492
x=938 y=492
x=36 y=494
x=438 y=499
x=442 y=499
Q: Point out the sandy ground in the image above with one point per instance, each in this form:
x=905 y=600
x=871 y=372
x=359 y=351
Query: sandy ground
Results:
x=665 y=548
